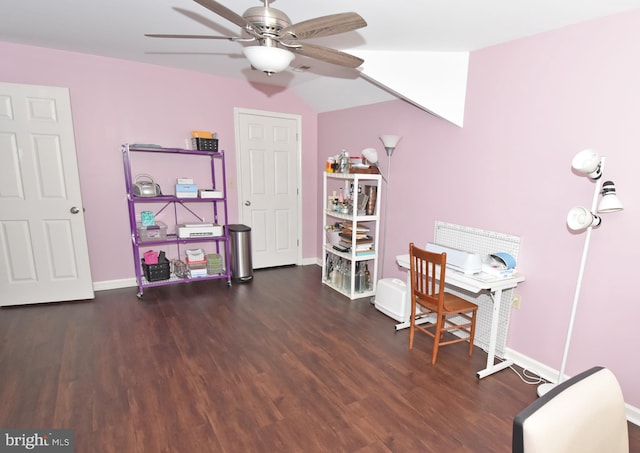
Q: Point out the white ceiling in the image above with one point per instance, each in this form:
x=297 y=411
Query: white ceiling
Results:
x=115 y=28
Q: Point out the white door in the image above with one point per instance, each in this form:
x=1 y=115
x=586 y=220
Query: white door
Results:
x=43 y=247
x=268 y=169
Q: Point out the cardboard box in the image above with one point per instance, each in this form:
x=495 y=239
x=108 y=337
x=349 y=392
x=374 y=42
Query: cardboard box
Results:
x=201 y=134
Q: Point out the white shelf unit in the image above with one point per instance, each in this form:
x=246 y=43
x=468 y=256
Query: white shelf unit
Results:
x=335 y=181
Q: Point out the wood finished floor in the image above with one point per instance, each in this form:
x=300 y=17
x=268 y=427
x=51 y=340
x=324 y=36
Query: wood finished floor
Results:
x=279 y=364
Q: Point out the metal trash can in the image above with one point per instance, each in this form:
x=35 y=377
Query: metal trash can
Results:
x=240 y=245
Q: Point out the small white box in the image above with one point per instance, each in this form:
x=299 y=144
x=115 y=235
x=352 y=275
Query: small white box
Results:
x=208 y=193
x=392 y=299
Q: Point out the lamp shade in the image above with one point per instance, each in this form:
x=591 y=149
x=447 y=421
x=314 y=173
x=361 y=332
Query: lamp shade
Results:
x=580 y=218
x=390 y=141
x=268 y=59
x=371 y=155
x=609 y=201
x=587 y=162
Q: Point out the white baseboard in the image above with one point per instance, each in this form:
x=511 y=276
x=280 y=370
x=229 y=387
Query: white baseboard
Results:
x=131 y=282
x=546 y=372
x=114 y=284
x=528 y=363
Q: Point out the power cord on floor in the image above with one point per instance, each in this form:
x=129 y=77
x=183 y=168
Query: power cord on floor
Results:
x=528 y=377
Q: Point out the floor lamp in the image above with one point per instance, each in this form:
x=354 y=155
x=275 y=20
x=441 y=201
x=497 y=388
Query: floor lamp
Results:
x=371 y=155
x=389 y=142
x=586 y=163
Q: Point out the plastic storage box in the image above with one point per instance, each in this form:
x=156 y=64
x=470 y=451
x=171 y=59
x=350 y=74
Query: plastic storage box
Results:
x=157 y=232
x=156 y=272
x=392 y=299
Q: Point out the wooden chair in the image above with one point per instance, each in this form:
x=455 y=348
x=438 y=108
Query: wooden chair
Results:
x=428 y=298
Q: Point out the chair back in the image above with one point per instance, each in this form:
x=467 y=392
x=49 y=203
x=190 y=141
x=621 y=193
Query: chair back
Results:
x=425 y=277
x=585 y=414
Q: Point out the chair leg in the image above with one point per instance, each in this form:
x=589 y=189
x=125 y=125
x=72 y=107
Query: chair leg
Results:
x=436 y=339
x=412 y=323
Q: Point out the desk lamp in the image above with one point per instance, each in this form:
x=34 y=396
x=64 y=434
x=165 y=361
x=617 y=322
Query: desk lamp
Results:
x=371 y=154
x=585 y=163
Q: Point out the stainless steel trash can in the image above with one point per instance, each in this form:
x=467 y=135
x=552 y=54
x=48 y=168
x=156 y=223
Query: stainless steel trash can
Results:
x=240 y=245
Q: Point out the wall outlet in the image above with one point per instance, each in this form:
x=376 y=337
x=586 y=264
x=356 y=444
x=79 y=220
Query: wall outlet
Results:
x=516 y=301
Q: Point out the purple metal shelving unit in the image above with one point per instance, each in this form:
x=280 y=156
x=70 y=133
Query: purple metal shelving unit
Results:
x=183 y=203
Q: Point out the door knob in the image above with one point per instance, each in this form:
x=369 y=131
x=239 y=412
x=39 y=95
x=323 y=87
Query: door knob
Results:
x=247 y=203
x=74 y=210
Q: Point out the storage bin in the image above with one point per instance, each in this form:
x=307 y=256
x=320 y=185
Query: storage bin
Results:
x=156 y=272
x=157 y=232
x=204 y=144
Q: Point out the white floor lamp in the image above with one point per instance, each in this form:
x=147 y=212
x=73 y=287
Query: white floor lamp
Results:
x=588 y=164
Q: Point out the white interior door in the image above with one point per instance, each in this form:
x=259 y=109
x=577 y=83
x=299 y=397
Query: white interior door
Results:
x=43 y=248
x=268 y=185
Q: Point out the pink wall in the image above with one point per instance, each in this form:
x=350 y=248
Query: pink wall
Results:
x=531 y=106
x=116 y=102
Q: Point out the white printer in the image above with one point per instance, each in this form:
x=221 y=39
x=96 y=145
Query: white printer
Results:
x=459 y=260
x=199 y=230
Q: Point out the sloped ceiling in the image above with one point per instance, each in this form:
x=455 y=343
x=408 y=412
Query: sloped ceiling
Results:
x=407 y=34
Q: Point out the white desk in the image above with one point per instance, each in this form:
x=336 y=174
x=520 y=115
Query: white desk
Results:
x=475 y=284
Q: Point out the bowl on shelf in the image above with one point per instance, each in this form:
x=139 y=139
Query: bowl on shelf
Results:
x=333 y=237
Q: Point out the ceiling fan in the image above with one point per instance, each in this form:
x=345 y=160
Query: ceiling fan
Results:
x=278 y=39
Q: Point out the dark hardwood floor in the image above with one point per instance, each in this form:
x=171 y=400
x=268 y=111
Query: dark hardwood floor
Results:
x=279 y=364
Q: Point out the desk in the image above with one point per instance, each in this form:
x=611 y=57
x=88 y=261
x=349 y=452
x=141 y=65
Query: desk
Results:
x=475 y=284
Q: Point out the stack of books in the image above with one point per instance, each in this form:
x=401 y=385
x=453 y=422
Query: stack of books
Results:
x=360 y=230
x=364 y=242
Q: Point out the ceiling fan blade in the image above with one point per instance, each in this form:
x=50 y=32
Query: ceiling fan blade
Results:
x=228 y=14
x=329 y=55
x=323 y=26
x=228 y=38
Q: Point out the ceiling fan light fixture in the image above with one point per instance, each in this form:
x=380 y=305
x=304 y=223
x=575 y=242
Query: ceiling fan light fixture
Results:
x=268 y=59
x=272 y=28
